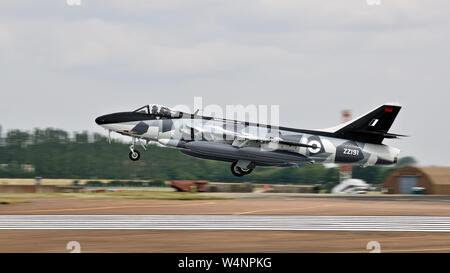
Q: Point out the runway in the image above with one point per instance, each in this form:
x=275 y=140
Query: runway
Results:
x=227 y=222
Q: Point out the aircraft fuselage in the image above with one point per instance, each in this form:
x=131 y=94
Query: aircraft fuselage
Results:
x=246 y=144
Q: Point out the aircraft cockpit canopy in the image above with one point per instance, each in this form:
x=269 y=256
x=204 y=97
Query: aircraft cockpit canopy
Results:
x=159 y=111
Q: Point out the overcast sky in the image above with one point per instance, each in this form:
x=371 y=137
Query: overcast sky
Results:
x=62 y=65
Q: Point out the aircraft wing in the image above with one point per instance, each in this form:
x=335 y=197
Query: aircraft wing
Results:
x=241 y=139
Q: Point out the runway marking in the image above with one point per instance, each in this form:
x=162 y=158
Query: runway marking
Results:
x=115 y=207
x=417 y=250
x=228 y=222
x=280 y=209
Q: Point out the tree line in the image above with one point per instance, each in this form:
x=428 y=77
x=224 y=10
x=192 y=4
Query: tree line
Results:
x=55 y=153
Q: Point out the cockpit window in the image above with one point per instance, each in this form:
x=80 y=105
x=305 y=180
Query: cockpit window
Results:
x=159 y=111
x=143 y=110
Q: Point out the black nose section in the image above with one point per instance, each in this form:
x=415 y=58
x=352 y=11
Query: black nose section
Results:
x=101 y=120
x=121 y=117
x=110 y=118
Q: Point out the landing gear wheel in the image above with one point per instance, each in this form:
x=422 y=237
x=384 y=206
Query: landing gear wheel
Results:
x=238 y=171
x=134 y=155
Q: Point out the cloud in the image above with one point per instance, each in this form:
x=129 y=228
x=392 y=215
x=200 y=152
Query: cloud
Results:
x=96 y=43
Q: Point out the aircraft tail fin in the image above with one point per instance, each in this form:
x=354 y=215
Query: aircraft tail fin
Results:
x=372 y=127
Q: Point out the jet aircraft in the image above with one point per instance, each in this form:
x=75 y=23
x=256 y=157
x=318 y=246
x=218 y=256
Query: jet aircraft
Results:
x=247 y=145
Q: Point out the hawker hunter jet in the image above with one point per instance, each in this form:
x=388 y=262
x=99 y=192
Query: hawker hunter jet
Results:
x=247 y=145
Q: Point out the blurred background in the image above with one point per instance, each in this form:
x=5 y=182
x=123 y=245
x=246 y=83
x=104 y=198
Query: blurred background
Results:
x=52 y=153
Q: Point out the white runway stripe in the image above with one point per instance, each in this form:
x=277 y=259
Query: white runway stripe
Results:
x=228 y=222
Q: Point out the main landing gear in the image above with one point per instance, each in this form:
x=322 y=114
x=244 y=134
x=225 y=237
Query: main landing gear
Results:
x=238 y=170
x=134 y=154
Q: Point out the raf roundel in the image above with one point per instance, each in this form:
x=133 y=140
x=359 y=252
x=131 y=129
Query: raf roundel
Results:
x=317 y=146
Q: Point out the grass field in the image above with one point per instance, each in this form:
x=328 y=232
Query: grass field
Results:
x=30 y=181
x=11 y=198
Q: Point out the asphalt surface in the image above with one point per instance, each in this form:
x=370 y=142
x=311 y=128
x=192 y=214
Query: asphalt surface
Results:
x=227 y=222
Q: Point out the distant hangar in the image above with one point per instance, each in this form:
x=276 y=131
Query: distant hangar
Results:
x=406 y=180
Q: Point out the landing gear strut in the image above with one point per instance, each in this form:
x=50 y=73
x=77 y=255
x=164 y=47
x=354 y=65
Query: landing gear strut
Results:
x=240 y=171
x=134 y=155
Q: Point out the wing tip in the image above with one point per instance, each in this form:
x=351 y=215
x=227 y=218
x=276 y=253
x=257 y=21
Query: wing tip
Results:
x=393 y=104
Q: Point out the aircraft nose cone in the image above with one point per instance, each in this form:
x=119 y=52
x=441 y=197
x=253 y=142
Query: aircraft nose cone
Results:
x=117 y=118
x=101 y=120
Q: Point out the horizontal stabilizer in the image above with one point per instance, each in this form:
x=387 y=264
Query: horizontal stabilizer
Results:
x=376 y=133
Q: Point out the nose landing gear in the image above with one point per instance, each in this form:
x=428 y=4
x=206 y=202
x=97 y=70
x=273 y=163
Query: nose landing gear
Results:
x=134 y=154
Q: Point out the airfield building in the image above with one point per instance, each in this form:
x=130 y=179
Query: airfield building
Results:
x=430 y=180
